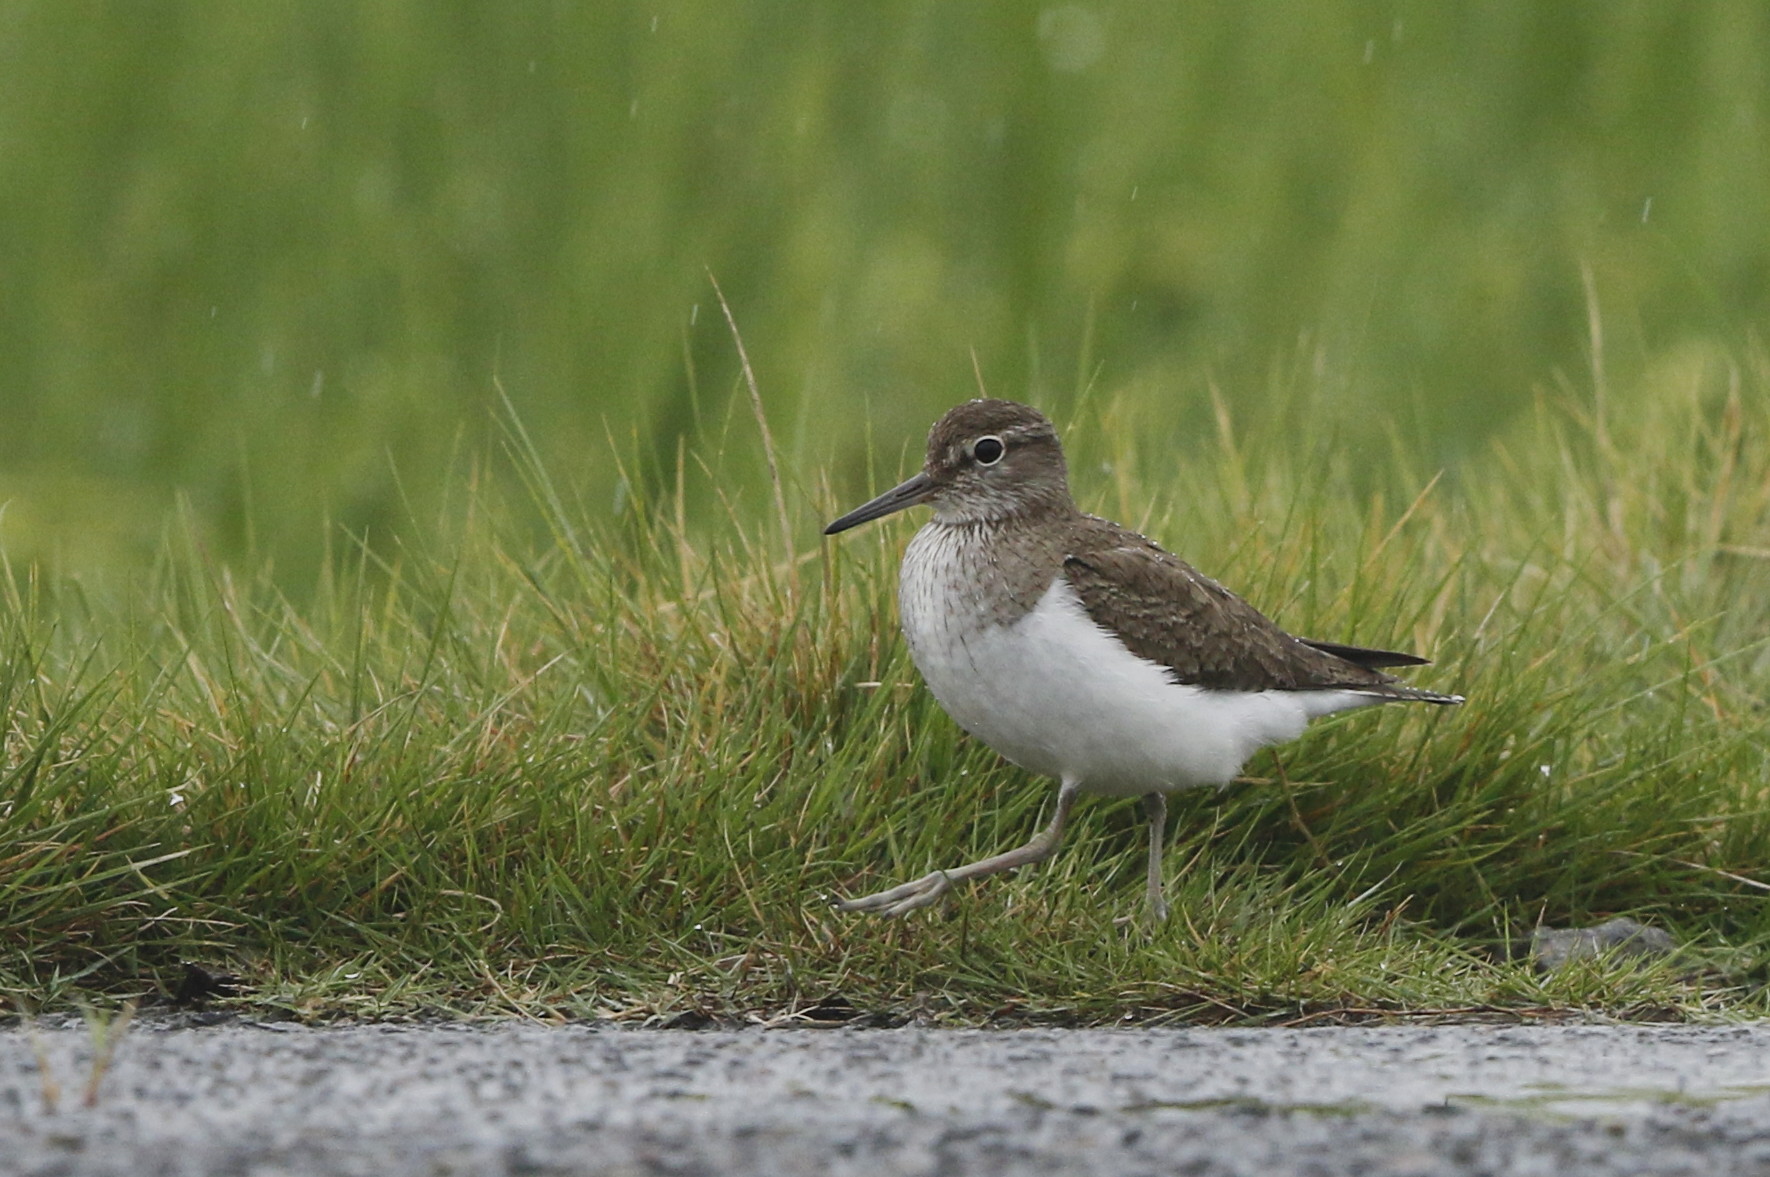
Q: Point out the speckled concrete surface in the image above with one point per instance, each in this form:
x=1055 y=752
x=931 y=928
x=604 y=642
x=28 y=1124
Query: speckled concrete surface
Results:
x=512 y=1099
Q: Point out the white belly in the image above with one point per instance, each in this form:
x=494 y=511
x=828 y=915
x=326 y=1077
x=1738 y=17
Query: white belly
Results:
x=1056 y=694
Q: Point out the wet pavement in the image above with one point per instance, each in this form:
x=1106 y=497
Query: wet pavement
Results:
x=263 y=1100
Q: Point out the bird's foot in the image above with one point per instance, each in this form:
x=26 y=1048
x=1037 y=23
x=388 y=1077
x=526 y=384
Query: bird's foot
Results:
x=1155 y=913
x=903 y=898
x=1150 y=919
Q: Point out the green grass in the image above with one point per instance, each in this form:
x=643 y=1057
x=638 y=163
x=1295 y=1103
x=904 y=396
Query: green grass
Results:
x=611 y=770
x=253 y=250
x=291 y=688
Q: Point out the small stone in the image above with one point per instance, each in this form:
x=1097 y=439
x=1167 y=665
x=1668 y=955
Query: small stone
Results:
x=1551 y=948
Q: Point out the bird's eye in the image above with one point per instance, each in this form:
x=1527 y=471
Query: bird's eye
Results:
x=988 y=450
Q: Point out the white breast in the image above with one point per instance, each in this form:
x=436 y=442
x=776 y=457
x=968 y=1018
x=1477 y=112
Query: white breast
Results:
x=1059 y=695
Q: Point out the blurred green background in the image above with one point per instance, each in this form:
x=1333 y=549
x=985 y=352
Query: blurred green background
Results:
x=271 y=257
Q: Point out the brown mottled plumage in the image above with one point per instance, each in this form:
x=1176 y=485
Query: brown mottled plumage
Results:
x=1165 y=610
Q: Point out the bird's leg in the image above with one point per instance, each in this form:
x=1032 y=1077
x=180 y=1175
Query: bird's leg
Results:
x=1155 y=807
x=925 y=890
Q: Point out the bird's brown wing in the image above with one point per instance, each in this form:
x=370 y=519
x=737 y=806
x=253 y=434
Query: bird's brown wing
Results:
x=1166 y=611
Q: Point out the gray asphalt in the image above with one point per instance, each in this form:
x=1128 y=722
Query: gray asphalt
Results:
x=519 y=1099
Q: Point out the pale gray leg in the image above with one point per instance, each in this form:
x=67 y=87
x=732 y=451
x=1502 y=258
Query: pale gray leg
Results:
x=925 y=890
x=1155 y=806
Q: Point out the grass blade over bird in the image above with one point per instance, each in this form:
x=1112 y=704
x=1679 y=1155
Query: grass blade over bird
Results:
x=1081 y=650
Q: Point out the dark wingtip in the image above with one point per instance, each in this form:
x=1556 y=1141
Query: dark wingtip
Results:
x=1367 y=658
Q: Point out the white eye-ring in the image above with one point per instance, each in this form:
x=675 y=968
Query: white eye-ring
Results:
x=988 y=450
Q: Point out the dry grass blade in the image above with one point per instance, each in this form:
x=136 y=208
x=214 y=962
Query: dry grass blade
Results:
x=768 y=450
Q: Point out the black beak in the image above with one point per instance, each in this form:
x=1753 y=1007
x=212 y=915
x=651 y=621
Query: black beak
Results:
x=915 y=489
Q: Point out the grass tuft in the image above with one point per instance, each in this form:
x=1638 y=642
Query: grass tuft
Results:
x=613 y=770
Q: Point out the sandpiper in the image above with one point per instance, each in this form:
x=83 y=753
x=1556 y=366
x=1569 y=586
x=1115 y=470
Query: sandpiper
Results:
x=1081 y=650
